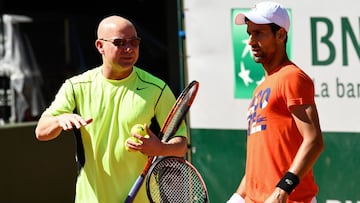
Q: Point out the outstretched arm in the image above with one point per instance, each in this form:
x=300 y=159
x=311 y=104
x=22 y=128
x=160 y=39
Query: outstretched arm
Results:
x=49 y=127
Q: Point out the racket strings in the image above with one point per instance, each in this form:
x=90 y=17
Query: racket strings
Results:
x=174 y=181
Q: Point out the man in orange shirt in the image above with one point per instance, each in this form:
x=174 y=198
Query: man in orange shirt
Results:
x=284 y=135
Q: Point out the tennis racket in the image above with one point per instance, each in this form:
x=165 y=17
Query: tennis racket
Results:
x=175 y=180
x=174 y=119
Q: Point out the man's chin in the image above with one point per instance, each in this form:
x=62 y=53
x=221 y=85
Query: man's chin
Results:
x=257 y=59
x=126 y=65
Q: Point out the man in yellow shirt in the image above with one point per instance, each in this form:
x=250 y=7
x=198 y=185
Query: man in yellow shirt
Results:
x=109 y=100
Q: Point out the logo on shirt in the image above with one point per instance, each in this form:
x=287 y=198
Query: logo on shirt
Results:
x=257 y=121
x=141 y=88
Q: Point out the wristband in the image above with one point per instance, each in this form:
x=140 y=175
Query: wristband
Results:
x=288 y=182
x=236 y=198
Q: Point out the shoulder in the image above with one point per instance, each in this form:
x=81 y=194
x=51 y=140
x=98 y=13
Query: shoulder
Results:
x=149 y=79
x=87 y=76
x=293 y=78
x=292 y=72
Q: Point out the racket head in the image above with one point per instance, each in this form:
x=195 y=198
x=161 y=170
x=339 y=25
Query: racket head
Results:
x=179 y=110
x=173 y=121
x=175 y=180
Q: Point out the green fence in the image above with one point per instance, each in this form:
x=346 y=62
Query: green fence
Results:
x=219 y=156
x=44 y=172
x=36 y=172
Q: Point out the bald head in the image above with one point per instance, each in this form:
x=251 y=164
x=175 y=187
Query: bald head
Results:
x=115 y=26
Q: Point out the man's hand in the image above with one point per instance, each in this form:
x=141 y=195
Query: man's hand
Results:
x=278 y=196
x=68 y=121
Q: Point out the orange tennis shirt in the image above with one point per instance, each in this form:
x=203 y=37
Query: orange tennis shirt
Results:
x=273 y=138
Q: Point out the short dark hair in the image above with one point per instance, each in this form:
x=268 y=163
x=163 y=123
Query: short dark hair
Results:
x=274 y=28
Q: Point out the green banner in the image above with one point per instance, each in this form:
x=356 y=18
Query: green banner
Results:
x=247 y=73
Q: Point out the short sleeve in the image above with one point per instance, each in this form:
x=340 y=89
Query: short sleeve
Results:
x=64 y=101
x=298 y=88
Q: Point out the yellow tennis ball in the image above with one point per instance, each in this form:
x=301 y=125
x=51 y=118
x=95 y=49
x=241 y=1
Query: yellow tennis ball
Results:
x=139 y=129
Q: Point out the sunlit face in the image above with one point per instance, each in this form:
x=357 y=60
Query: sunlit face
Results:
x=262 y=41
x=120 y=46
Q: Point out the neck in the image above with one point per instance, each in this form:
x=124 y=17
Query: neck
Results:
x=274 y=64
x=116 y=73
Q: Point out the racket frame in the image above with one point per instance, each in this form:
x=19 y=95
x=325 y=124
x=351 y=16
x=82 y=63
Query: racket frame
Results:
x=166 y=133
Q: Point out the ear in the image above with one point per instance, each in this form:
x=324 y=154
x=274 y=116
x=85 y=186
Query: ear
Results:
x=99 y=46
x=281 y=34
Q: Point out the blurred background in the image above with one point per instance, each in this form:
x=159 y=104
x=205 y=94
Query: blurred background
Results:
x=44 y=43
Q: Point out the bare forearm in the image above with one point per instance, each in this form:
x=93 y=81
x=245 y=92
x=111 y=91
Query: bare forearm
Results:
x=241 y=189
x=175 y=147
x=239 y=195
x=307 y=121
x=307 y=155
x=47 y=128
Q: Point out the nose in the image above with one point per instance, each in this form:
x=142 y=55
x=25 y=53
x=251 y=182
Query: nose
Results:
x=250 y=40
x=127 y=49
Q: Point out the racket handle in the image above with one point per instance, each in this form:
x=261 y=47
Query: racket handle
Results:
x=135 y=189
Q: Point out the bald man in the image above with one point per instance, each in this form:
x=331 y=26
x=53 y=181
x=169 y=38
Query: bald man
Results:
x=108 y=101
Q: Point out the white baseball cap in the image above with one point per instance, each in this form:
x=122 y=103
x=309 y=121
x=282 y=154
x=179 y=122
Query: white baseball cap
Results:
x=265 y=13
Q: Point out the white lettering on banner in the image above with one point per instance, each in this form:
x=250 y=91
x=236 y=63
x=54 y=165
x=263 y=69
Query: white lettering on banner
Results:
x=338 y=201
x=332 y=201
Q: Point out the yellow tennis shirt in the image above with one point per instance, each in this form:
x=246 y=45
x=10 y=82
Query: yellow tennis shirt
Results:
x=115 y=106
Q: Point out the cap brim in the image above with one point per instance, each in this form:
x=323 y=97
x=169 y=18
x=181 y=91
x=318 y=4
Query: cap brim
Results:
x=240 y=19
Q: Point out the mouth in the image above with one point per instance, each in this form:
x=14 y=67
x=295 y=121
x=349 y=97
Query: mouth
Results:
x=127 y=58
x=255 y=51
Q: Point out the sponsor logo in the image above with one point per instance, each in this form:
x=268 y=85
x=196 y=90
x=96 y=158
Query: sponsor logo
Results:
x=247 y=73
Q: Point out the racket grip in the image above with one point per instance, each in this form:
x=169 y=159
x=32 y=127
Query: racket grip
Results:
x=135 y=189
